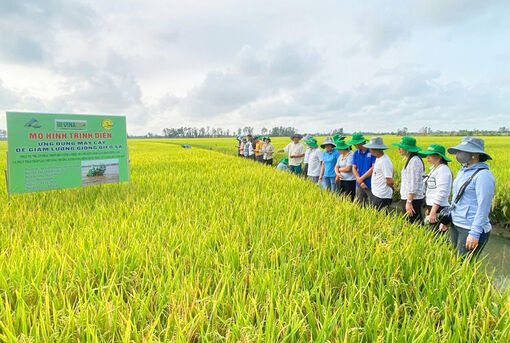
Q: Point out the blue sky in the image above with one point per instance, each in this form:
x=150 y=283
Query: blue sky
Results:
x=315 y=65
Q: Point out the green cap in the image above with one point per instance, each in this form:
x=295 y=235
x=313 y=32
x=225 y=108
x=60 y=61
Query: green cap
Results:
x=435 y=149
x=285 y=160
x=357 y=138
x=312 y=142
x=341 y=145
x=408 y=144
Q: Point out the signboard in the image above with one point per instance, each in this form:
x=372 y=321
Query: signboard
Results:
x=52 y=151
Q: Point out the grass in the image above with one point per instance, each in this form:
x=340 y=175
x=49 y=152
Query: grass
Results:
x=206 y=247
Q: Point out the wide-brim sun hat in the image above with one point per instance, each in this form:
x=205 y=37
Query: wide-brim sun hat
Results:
x=376 y=143
x=408 y=144
x=266 y=138
x=357 y=138
x=342 y=145
x=338 y=137
x=470 y=144
x=285 y=160
x=435 y=149
x=296 y=135
x=328 y=141
x=312 y=142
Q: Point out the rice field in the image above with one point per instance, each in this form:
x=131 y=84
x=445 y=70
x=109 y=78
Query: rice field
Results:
x=202 y=246
x=497 y=147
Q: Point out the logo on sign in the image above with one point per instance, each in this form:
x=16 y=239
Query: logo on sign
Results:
x=33 y=123
x=107 y=124
x=70 y=125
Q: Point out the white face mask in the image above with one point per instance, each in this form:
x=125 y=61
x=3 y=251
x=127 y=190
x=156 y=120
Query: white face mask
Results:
x=463 y=157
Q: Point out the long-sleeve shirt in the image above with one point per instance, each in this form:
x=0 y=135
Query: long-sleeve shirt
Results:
x=472 y=210
x=268 y=150
x=411 y=179
x=258 y=148
x=314 y=161
x=438 y=186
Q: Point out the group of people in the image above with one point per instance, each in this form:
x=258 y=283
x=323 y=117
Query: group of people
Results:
x=367 y=176
x=258 y=148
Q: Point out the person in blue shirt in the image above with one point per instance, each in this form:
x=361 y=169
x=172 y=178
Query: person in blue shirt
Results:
x=283 y=165
x=470 y=229
x=329 y=159
x=362 y=167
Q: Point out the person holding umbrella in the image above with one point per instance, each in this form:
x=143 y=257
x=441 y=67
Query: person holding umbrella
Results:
x=296 y=151
x=412 y=190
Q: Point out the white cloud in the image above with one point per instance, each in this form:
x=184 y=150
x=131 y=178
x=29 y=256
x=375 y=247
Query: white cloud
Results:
x=362 y=65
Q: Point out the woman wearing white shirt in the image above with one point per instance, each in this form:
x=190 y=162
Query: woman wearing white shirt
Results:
x=438 y=183
x=412 y=190
x=314 y=160
x=343 y=170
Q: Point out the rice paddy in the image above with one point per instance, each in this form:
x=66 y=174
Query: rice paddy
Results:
x=202 y=246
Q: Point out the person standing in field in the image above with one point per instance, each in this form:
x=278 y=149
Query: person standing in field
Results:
x=471 y=228
x=307 y=152
x=438 y=183
x=412 y=190
x=242 y=141
x=382 y=176
x=314 y=160
x=283 y=165
x=362 y=167
x=329 y=160
x=296 y=151
x=251 y=147
x=346 y=182
x=268 y=150
x=259 y=155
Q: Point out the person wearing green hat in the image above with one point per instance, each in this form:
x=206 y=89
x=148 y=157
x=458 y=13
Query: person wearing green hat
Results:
x=362 y=167
x=268 y=151
x=412 y=190
x=329 y=158
x=314 y=160
x=283 y=165
x=307 y=153
x=438 y=183
x=343 y=170
x=337 y=137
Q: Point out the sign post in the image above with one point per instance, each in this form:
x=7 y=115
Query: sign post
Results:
x=52 y=151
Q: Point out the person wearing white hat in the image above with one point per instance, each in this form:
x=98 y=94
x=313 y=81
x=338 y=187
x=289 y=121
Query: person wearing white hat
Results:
x=382 y=175
x=473 y=191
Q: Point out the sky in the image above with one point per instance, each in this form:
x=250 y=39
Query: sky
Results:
x=314 y=65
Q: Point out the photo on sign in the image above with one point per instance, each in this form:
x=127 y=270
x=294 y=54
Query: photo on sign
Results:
x=98 y=172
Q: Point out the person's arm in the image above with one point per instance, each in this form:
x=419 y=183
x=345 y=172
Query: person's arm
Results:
x=484 y=186
x=368 y=173
x=443 y=188
x=322 y=171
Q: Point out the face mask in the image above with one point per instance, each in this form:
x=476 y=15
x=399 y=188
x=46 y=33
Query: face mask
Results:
x=463 y=157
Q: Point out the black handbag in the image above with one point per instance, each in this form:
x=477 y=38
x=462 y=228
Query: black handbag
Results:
x=445 y=215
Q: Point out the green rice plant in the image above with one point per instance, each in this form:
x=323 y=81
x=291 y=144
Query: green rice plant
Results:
x=201 y=246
